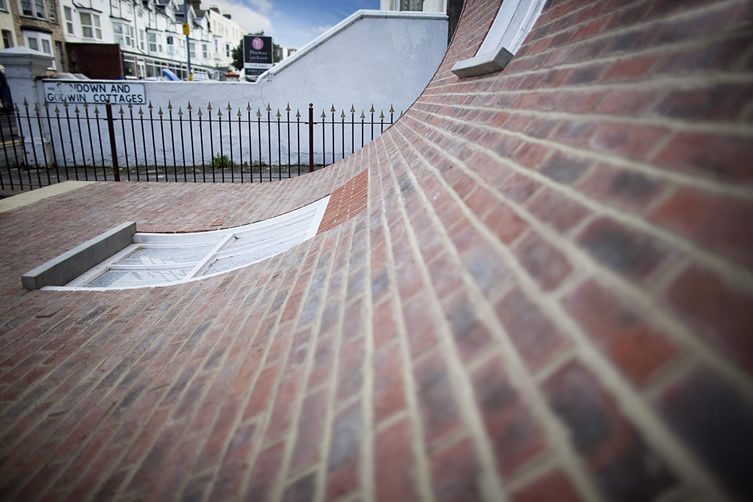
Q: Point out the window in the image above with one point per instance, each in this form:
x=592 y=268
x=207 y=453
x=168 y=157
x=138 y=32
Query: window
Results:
x=205 y=51
x=7 y=39
x=164 y=259
x=152 y=39
x=142 y=37
x=90 y=25
x=3 y=6
x=53 y=11
x=192 y=49
x=123 y=34
x=412 y=5
x=68 y=14
x=227 y=50
x=33 y=8
x=514 y=20
x=38 y=41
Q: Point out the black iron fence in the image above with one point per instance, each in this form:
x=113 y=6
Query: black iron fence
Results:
x=42 y=145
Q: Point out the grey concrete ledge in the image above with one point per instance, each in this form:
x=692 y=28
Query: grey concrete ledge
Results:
x=63 y=269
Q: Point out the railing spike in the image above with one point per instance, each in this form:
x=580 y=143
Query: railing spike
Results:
x=209 y=107
x=96 y=112
x=287 y=108
x=219 y=114
x=57 y=110
x=130 y=106
x=372 y=109
x=76 y=111
x=121 y=112
x=297 y=114
x=160 y=111
x=381 y=115
x=180 y=112
x=199 y=114
x=278 y=113
x=324 y=115
x=169 y=106
x=258 y=113
x=363 y=116
x=150 y=105
x=26 y=103
x=342 y=115
x=229 y=108
x=332 y=110
x=36 y=107
x=189 y=107
x=239 y=113
x=141 y=112
x=352 y=109
x=269 y=107
x=392 y=110
x=248 y=106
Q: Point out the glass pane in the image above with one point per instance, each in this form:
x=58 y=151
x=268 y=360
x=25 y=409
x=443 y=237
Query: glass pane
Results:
x=126 y=278
x=166 y=256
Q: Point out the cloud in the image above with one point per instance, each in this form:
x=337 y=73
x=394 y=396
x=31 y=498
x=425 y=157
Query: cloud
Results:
x=263 y=5
x=318 y=30
x=251 y=20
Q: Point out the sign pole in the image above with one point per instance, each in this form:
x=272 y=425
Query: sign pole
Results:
x=186 y=32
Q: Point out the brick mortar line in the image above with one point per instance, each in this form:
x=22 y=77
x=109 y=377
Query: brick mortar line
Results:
x=732 y=272
x=554 y=432
x=412 y=408
x=367 y=451
x=296 y=416
x=460 y=382
x=653 y=120
x=640 y=413
x=316 y=249
x=679 y=333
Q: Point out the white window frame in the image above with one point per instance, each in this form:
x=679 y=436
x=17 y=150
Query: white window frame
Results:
x=37 y=37
x=4 y=6
x=34 y=8
x=123 y=34
x=95 y=27
x=514 y=21
x=68 y=16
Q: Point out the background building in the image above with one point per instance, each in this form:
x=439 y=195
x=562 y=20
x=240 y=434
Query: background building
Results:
x=414 y=5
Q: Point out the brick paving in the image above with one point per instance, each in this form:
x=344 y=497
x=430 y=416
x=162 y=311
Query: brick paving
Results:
x=546 y=295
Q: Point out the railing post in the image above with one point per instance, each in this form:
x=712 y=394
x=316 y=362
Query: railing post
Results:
x=311 y=137
x=113 y=147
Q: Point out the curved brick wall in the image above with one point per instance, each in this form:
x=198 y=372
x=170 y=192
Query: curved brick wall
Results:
x=546 y=296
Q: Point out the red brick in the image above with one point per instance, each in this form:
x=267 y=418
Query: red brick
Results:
x=622 y=188
x=394 y=480
x=439 y=411
x=716 y=156
x=711 y=221
x=634 y=346
x=308 y=446
x=630 y=69
x=533 y=333
x=621 y=249
x=718 y=312
x=456 y=473
x=544 y=263
x=389 y=390
x=627 y=140
x=514 y=434
x=701 y=402
x=344 y=453
x=265 y=472
x=556 y=209
x=612 y=448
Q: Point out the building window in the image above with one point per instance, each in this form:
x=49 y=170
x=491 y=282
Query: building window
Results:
x=33 y=8
x=514 y=20
x=68 y=13
x=205 y=51
x=53 y=10
x=155 y=42
x=3 y=6
x=38 y=41
x=123 y=34
x=90 y=26
x=416 y=5
x=227 y=50
x=192 y=49
x=7 y=39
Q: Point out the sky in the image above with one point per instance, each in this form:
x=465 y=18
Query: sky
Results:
x=291 y=23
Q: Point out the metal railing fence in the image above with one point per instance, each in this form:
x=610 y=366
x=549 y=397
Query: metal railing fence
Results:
x=42 y=145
